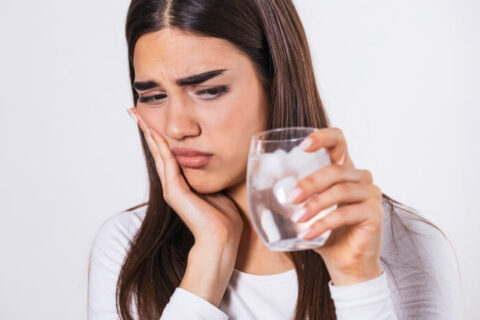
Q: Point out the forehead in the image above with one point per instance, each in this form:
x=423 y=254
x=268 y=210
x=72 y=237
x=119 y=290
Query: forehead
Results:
x=178 y=53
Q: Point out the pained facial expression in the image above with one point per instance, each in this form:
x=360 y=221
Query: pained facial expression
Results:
x=217 y=116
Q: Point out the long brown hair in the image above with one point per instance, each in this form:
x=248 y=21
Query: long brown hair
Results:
x=271 y=34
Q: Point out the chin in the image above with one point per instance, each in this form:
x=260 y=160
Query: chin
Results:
x=205 y=189
x=202 y=184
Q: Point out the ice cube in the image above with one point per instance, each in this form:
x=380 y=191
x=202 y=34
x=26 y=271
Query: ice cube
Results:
x=297 y=158
x=262 y=182
x=320 y=159
x=305 y=163
x=268 y=224
x=271 y=166
x=281 y=154
x=283 y=187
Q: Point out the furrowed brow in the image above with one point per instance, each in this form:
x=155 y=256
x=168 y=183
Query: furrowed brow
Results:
x=187 y=81
x=144 y=85
x=199 y=78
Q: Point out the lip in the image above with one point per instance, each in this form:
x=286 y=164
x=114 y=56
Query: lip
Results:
x=191 y=158
x=189 y=152
x=193 y=161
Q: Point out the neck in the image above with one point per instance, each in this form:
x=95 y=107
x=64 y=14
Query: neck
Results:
x=249 y=237
x=253 y=256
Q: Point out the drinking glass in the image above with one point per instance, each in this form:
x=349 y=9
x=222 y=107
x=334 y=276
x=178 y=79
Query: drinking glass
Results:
x=275 y=165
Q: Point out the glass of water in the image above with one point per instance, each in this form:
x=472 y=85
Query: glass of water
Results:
x=275 y=165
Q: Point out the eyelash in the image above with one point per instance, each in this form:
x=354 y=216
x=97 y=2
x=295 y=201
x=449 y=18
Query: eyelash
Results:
x=217 y=92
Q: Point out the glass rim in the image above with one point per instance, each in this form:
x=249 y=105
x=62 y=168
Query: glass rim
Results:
x=257 y=136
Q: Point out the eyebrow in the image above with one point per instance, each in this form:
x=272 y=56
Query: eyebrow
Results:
x=190 y=80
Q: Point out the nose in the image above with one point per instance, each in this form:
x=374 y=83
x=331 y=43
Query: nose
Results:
x=180 y=121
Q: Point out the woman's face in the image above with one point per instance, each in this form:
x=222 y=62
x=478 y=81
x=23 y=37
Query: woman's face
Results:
x=217 y=115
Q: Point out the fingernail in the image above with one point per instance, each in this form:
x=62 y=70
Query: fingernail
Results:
x=304 y=233
x=294 y=194
x=297 y=215
x=132 y=115
x=307 y=142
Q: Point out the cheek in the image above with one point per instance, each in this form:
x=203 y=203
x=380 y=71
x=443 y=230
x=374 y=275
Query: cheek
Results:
x=230 y=129
x=239 y=116
x=153 y=117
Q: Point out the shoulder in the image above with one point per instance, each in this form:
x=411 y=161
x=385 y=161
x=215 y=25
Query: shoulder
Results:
x=108 y=251
x=420 y=264
x=114 y=236
x=122 y=224
x=408 y=235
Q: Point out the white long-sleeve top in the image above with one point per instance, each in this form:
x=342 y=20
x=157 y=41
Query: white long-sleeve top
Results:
x=426 y=288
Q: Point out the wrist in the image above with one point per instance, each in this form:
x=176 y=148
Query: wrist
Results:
x=208 y=271
x=210 y=248
x=355 y=275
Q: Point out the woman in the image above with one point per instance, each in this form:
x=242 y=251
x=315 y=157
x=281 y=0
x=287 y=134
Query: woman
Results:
x=207 y=75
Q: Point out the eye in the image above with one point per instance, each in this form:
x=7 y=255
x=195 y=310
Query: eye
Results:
x=212 y=93
x=147 y=99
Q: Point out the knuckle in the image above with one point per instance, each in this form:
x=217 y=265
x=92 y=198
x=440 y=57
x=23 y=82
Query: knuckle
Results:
x=328 y=219
x=367 y=175
x=306 y=183
x=343 y=210
x=337 y=130
x=378 y=193
x=324 y=223
x=377 y=208
x=343 y=188
x=318 y=177
x=315 y=203
x=336 y=169
x=331 y=219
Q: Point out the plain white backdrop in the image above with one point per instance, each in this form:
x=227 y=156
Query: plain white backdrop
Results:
x=400 y=78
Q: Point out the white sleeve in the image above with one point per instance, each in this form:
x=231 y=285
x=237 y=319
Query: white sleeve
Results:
x=365 y=300
x=186 y=305
x=106 y=258
x=426 y=281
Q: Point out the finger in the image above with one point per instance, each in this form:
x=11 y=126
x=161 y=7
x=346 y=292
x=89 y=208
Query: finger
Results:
x=346 y=192
x=172 y=170
x=151 y=143
x=323 y=178
x=146 y=131
x=352 y=214
x=330 y=138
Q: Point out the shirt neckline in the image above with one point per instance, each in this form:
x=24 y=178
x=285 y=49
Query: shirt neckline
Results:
x=264 y=277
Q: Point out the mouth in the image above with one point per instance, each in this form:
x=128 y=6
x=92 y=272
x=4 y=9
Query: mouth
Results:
x=195 y=162
x=191 y=158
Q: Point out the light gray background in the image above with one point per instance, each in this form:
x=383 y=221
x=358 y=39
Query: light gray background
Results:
x=400 y=78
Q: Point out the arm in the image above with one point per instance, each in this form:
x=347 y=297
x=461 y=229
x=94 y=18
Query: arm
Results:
x=193 y=299
x=203 y=285
x=106 y=255
x=427 y=282
x=364 y=300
